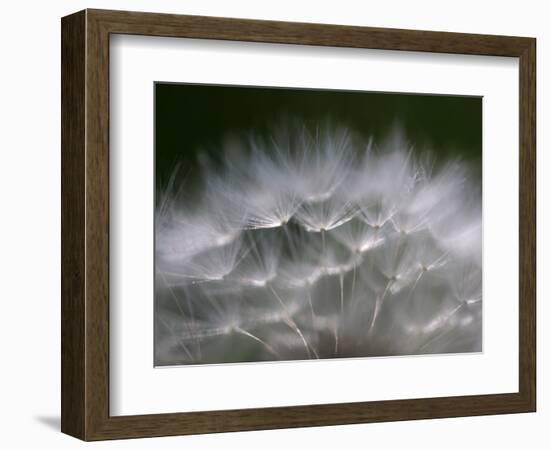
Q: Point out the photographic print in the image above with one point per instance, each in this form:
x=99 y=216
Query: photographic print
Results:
x=304 y=224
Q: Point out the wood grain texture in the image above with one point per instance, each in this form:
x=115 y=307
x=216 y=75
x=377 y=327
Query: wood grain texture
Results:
x=73 y=109
x=527 y=224
x=85 y=224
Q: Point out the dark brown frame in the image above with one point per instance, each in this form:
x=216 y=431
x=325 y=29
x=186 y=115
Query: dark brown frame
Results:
x=85 y=224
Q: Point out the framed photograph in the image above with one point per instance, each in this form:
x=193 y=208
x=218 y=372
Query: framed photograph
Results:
x=270 y=224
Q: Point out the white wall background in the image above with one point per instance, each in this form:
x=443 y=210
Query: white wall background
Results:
x=30 y=221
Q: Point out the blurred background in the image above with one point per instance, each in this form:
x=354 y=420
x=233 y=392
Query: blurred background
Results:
x=192 y=118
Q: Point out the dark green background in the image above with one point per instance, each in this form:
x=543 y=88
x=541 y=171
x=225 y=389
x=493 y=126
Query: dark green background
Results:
x=190 y=117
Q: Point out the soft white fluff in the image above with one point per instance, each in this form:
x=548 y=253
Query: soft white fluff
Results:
x=313 y=244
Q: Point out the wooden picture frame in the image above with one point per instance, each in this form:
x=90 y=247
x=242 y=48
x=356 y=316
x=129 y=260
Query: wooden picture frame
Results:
x=85 y=224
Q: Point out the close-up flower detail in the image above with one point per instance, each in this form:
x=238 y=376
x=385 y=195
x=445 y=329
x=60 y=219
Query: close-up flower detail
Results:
x=316 y=243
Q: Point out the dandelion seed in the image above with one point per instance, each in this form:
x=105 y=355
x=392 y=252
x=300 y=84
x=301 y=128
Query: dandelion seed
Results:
x=214 y=264
x=325 y=215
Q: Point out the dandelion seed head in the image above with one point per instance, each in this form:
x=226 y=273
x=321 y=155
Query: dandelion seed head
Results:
x=310 y=243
